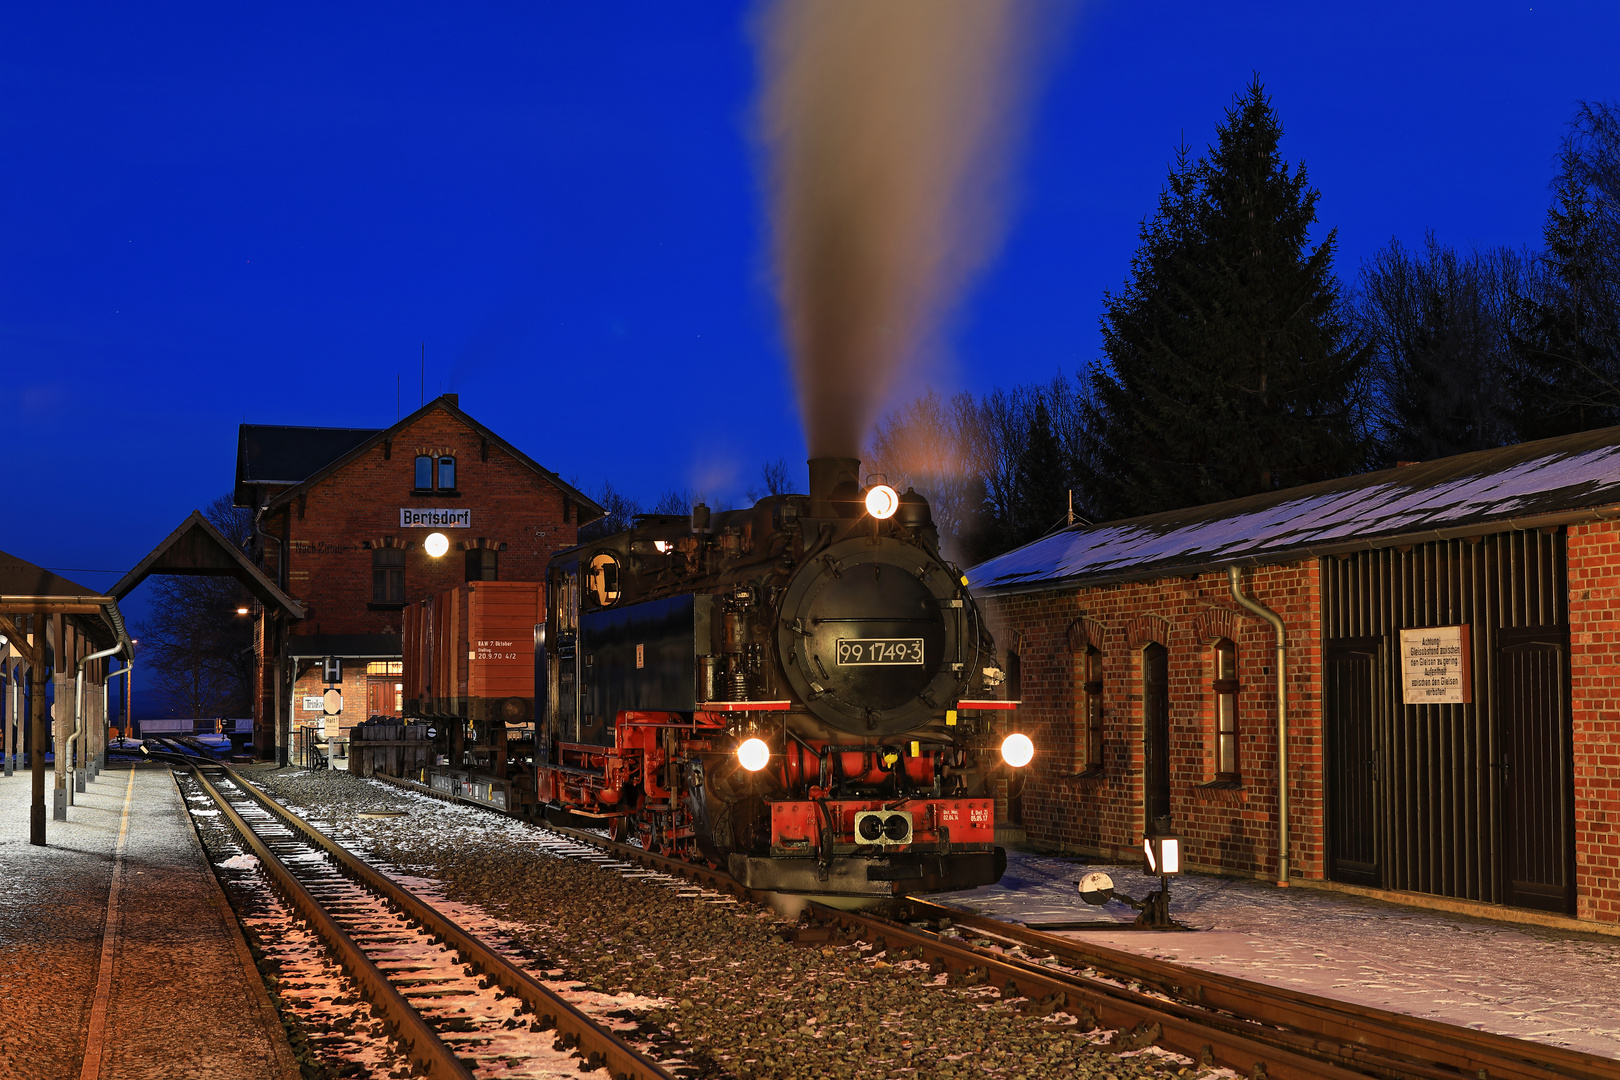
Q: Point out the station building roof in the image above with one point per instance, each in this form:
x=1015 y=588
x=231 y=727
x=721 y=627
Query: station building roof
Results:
x=281 y=455
x=1537 y=484
x=289 y=459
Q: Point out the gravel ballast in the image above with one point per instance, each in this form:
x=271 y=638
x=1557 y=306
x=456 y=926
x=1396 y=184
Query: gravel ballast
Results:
x=716 y=986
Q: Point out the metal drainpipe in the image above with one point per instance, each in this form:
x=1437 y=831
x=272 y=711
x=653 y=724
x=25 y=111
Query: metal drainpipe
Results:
x=78 y=715
x=1254 y=607
x=104 y=698
x=281 y=637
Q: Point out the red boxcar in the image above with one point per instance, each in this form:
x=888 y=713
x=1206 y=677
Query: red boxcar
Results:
x=469 y=652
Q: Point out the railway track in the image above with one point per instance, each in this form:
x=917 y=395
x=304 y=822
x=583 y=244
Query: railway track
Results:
x=459 y=1008
x=1250 y=1027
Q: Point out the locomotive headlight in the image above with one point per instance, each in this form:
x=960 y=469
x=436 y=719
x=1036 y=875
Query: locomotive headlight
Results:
x=753 y=754
x=882 y=501
x=436 y=544
x=1017 y=750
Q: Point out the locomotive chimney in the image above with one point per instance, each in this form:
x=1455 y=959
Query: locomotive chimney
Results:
x=835 y=485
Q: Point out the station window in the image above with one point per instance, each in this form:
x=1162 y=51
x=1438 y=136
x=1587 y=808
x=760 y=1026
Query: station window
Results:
x=424 y=472
x=385 y=667
x=1090 y=701
x=447 y=474
x=1226 y=710
x=388 y=575
x=483 y=564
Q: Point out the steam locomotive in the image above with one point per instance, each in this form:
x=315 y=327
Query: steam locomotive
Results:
x=802 y=692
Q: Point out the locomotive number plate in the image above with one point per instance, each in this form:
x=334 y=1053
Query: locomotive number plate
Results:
x=902 y=650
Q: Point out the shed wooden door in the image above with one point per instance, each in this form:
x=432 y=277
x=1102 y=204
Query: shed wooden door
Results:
x=1535 y=770
x=1155 y=732
x=1352 y=763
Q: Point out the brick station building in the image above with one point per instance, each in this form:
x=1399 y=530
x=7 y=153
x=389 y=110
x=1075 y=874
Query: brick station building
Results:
x=343 y=518
x=1452 y=680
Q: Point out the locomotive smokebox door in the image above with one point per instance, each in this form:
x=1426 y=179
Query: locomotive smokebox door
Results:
x=870 y=638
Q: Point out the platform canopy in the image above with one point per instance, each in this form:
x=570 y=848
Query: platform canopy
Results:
x=198 y=548
x=26 y=589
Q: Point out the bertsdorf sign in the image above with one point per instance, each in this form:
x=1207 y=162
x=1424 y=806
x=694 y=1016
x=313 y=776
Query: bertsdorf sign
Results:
x=1435 y=667
x=412 y=518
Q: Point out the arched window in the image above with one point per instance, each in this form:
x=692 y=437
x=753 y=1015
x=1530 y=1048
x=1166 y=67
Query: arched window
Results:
x=388 y=575
x=1090 y=701
x=447 y=474
x=483 y=564
x=424 y=472
x=1226 y=710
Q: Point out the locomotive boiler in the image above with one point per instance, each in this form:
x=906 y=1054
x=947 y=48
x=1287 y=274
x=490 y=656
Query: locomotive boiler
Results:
x=802 y=692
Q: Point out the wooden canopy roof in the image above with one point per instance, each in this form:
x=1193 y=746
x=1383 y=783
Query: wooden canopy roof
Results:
x=196 y=547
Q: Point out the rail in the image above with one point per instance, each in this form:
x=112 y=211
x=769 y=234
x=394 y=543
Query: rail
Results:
x=599 y=1046
x=1236 y=1023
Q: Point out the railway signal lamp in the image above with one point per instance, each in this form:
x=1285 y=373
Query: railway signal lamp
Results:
x=1162 y=854
x=1017 y=750
x=753 y=754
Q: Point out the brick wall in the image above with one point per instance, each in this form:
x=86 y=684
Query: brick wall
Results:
x=1594 y=641
x=329 y=566
x=1228 y=829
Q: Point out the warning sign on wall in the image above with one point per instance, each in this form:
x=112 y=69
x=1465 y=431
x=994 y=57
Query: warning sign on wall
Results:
x=1435 y=666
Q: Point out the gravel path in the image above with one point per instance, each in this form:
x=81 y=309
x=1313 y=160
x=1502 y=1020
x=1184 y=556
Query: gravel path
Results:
x=715 y=985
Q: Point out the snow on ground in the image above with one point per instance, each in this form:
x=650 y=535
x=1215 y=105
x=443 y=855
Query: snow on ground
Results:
x=1553 y=986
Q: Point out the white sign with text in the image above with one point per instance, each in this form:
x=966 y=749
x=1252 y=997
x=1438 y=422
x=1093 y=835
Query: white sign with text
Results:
x=414 y=518
x=1435 y=666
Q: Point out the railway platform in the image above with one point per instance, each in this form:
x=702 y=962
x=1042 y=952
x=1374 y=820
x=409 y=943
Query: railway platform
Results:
x=1540 y=978
x=119 y=958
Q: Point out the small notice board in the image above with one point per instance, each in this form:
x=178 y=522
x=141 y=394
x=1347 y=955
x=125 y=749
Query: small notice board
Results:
x=1435 y=666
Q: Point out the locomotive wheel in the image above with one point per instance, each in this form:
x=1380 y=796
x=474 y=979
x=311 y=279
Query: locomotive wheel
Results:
x=618 y=829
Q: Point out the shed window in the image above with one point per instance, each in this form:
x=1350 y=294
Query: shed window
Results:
x=483 y=564
x=1090 y=700
x=447 y=474
x=388 y=575
x=1226 y=710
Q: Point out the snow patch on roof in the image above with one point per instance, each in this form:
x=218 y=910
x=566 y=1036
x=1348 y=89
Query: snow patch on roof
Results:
x=1540 y=484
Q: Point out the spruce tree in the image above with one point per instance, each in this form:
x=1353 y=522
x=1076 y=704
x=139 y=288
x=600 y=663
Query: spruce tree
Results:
x=1230 y=367
x=1565 y=375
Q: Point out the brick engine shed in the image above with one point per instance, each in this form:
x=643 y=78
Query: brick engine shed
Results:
x=1452 y=680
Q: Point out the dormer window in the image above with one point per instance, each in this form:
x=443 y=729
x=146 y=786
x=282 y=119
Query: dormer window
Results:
x=447 y=474
x=424 y=472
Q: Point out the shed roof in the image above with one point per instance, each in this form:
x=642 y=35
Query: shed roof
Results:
x=1551 y=481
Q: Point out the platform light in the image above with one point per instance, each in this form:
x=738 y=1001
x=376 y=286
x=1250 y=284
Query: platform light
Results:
x=1162 y=855
x=1017 y=750
x=753 y=754
x=241 y=611
x=882 y=501
x=436 y=544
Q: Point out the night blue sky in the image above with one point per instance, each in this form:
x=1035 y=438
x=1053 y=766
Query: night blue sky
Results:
x=211 y=214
